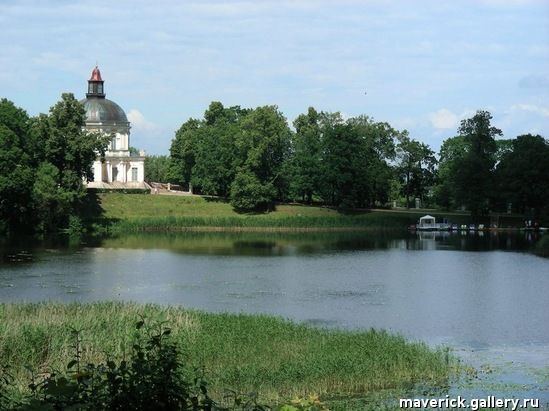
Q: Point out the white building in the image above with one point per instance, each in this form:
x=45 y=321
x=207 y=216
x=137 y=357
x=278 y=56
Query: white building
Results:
x=119 y=169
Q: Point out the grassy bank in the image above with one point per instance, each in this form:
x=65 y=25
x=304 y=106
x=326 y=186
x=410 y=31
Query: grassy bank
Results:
x=134 y=213
x=274 y=357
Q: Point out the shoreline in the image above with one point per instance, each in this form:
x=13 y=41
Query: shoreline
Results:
x=259 y=229
x=121 y=213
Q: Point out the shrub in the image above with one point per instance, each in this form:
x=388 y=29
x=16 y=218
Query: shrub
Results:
x=249 y=194
x=154 y=378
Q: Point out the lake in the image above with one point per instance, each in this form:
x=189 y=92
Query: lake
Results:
x=484 y=294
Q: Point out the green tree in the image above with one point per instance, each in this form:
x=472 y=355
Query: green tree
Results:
x=342 y=165
x=209 y=153
x=66 y=157
x=264 y=145
x=416 y=167
x=216 y=156
x=474 y=178
x=66 y=144
x=377 y=148
x=354 y=161
x=43 y=163
x=157 y=169
x=451 y=155
x=16 y=171
x=248 y=193
x=522 y=174
x=306 y=159
x=182 y=154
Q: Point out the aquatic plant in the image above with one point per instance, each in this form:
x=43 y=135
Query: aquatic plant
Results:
x=153 y=378
x=275 y=358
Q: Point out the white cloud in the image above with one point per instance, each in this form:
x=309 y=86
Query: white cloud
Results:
x=443 y=119
x=139 y=122
x=543 y=111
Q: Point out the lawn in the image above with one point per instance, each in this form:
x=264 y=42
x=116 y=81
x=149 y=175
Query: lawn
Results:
x=139 y=212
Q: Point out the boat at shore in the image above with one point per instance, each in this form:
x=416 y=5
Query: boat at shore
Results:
x=428 y=223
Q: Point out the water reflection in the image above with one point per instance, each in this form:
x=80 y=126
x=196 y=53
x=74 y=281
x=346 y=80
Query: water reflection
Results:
x=473 y=240
x=277 y=244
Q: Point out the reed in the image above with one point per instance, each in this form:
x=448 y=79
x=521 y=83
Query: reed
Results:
x=277 y=358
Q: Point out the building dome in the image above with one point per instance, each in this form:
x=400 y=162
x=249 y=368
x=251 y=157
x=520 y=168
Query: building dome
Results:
x=102 y=110
x=98 y=108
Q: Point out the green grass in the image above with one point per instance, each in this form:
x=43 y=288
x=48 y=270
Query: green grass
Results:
x=277 y=358
x=134 y=213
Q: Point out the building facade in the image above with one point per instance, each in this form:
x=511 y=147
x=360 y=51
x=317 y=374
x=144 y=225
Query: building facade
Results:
x=119 y=169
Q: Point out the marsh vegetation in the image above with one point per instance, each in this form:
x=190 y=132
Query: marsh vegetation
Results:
x=276 y=358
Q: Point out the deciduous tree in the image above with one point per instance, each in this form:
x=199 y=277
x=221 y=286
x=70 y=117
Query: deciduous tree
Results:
x=522 y=174
x=16 y=171
x=474 y=179
x=416 y=167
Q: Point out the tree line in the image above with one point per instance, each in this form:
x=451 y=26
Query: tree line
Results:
x=253 y=158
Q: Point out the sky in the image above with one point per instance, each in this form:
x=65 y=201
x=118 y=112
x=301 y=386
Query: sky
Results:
x=419 y=65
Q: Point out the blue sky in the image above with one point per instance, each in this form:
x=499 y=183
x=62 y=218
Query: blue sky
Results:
x=419 y=65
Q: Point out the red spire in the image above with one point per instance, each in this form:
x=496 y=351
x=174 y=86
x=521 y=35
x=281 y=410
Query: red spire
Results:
x=96 y=75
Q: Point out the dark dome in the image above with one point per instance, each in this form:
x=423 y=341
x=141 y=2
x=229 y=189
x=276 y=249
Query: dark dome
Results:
x=102 y=110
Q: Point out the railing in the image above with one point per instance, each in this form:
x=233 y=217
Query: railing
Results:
x=168 y=187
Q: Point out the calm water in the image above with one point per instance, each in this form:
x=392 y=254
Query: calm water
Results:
x=485 y=295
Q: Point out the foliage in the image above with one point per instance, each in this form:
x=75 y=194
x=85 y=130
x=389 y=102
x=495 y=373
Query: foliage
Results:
x=522 y=174
x=233 y=151
x=474 y=178
x=66 y=145
x=75 y=227
x=312 y=403
x=43 y=162
x=134 y=151
x=482 y=174
x=355 y=153
x=264 y=146
x=216 y=150
x=416 y=167
x=157 y=169
x=306 y=160
x=249 y=194
x=451 y=155
x=16 y=167
x=182 y=156
x=153 y=378
x=377 y=149
x=342 y=165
